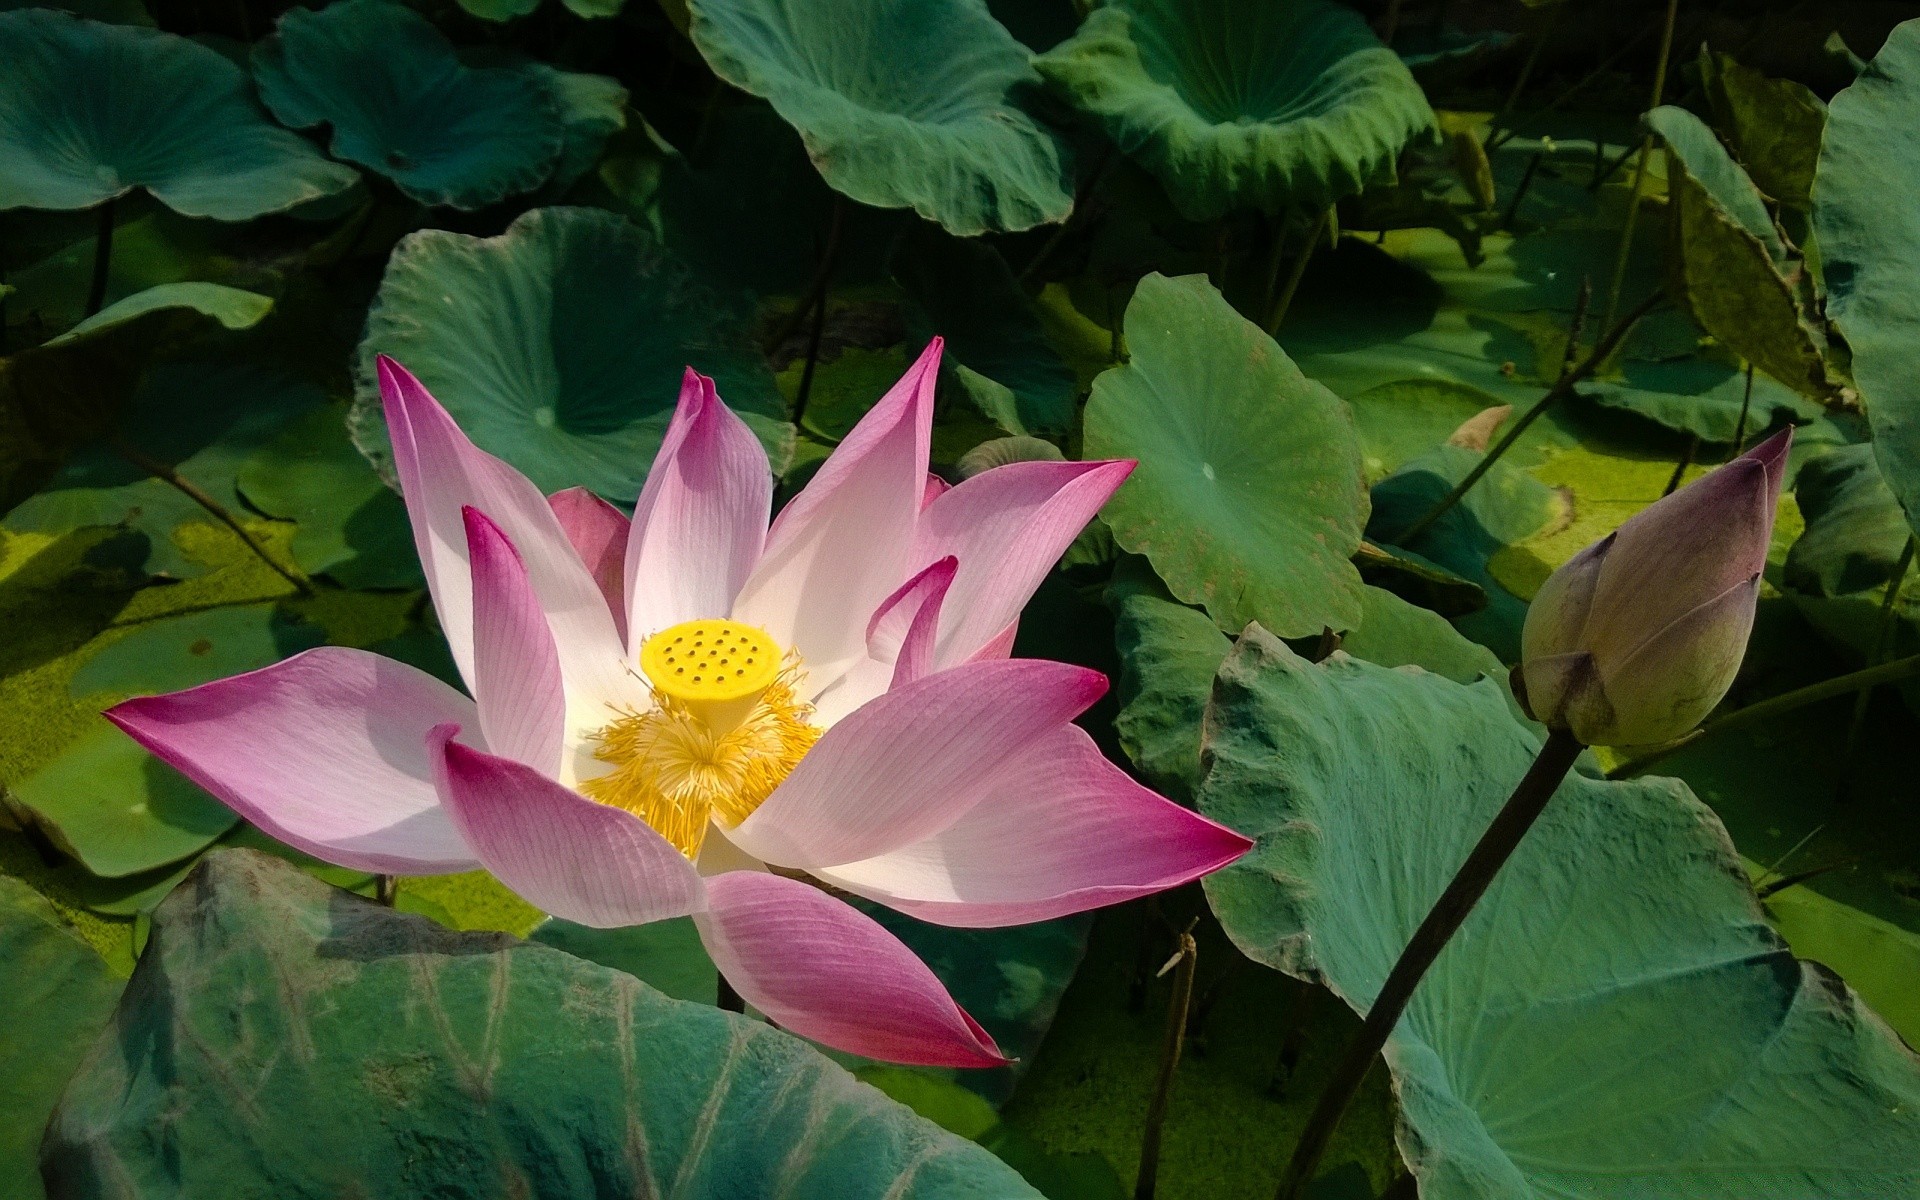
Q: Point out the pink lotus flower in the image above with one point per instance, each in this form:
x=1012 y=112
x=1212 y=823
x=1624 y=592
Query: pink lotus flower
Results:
x=665 y=708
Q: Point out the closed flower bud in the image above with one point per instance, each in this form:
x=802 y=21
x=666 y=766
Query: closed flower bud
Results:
x=1637 y=637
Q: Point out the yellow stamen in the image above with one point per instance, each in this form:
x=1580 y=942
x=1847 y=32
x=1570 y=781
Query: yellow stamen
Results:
x=677 y=772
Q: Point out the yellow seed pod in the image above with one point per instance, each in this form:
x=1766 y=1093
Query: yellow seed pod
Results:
x=717 y=668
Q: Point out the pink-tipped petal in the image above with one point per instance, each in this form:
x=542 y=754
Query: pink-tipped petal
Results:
x=516 y=670
x=1061 y=831
x=908 y=764
x=701 y=518
x=325 y=751
x=900 y=643
x=903 y=628
x=841 y=546
x=441 y=472
x=598 y=532
x=822 y=970
x=936 y=488
x=566 y=855
x=1008 y=527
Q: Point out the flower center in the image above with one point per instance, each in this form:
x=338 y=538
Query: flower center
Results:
x=726 y=728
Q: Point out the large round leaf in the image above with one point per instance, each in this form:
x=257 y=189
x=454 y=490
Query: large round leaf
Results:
x=1615 y=1019
x=1249 y=498
x=384 y=1056
x=1868 y=229
x=902 y=103
x=1267 y=104
x=559 y=346
x=89 y=112
x=401 y=103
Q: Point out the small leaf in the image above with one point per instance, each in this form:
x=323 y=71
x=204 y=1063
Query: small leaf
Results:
x=1248 y=498
x=1855 y=530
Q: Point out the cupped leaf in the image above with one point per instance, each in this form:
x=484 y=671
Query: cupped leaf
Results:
x=559 y=346
x=1869 y=238
x=901 y=103
x=59 y=994
x=400 y=102
x=1249 y=498
x=386 y=1055
x=1729 y=259
x=1235 y=104
x=89 y=112
x=1855 y=529
x=1614 y=1018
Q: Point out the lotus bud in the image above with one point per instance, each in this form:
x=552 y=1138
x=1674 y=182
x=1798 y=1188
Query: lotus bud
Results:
x=1638 y=636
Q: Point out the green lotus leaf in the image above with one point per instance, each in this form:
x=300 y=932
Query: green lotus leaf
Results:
x=1236 y=104
x=1169 y=654
x=348 y=523
x=1249 y=497
x=1702 y=394
x=901 y=103
x=1729 y=258
x=666 y=955
x=1774 y=125
x=1855 y=529
x=231 y=308
x=114 y=12
x=118 y=809
x=559 y=346
x=1419 y=580
x=204 y=421
x=1604 y=1024
x=89 y=112
x=1869 y=238
x=400 y=102
x=493 y=1060
x=59 y=995
x=1400 y=421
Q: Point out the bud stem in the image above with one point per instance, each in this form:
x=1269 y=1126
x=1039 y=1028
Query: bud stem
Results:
x=1898 y=670
x=1470 y=882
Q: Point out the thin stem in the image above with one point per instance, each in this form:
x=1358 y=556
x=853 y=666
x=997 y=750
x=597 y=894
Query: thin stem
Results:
x=1897 y=671
x=1469 y=883
x=192 y=491
x=726 y=999
x=1561 y=389
x=102 y=260
x=1520 y=192
x=386 y=889
x=1182 y=964
x=821 y=279
x=1680 y=468
x=1882 y=642
x=1507 y=135
x=1640 y=169
x=1746 y=406
x=1547 y=31
x=1281 y=305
